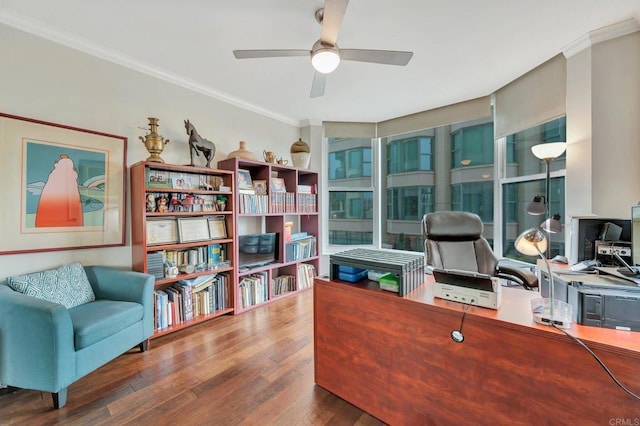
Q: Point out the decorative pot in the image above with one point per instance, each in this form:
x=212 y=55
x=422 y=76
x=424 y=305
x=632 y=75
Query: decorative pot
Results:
x=153 y=141
x=242 y=152
x=300 y=154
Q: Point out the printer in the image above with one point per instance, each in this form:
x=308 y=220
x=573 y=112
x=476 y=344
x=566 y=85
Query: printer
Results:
x=468 y=287
x=599 y=300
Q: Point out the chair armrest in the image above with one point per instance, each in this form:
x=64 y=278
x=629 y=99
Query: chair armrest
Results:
x=36 y=342
x=525 y=277
x=116 y=284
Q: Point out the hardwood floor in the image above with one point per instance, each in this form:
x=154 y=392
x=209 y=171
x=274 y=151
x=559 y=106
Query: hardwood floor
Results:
x=253 y=368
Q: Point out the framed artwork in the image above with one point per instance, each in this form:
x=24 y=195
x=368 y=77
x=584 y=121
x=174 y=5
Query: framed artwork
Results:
x=277 y=185
x=217 y=228
x=69 y=189
x=260 y=186
x=162 y=231
x=193 y=229
x=244 y=179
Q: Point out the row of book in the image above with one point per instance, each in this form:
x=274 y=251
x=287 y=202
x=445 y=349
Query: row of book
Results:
x=278 y=202
x=282 y=202
x=306 y=274
x=253 y=289
x=253 y=204
x=188 y=299
x=283 y=284
x=307 y=203
x=302 y=247
x=194 y=259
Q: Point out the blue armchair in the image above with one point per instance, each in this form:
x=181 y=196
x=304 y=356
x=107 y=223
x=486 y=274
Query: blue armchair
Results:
x=45 y=346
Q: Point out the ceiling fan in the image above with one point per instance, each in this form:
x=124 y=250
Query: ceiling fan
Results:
x=325 y=53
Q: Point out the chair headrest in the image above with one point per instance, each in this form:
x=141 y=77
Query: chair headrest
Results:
x=452 y=226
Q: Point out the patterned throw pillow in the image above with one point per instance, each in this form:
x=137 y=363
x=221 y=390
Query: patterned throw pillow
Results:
x=67 y=285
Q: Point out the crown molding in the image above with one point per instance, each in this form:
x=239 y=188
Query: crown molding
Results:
x=47 y=32
x=602 y=34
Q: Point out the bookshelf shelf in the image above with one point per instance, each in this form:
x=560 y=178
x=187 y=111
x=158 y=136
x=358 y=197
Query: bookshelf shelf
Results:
x=199 y=319
x=273 y=213
x=173 y=195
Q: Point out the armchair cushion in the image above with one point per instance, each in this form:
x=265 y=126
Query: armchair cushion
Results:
x=67 y=285
x=95 y=321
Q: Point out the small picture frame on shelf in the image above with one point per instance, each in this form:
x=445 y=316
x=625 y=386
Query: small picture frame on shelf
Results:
x=162 y=231
x=217 y=227
x=204 y=183
x=181 y=182
x=244 y=179
x=260 y=186
x=193 y=229
x=277 y=185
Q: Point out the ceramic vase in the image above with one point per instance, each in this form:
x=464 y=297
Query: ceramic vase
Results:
x=300 y=154
x=242 y=152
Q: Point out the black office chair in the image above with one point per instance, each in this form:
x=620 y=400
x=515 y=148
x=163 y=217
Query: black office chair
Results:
x=453 y=240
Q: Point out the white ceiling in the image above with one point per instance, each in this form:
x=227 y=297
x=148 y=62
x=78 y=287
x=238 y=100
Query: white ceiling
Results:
x=462 y=48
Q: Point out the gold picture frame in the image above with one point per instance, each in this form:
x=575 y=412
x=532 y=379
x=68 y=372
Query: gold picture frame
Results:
x=260 y=187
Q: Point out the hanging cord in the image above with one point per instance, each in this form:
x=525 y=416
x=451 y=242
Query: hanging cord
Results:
x=456 y=335
x=615 y=380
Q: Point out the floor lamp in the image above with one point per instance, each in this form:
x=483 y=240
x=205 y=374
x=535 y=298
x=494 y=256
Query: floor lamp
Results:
x=532 y=242
x=547 y=152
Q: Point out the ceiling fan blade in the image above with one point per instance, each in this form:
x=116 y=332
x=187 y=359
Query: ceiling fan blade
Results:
x=389 y=57
x=319 y=81
x=332 y=16
x=269 y=53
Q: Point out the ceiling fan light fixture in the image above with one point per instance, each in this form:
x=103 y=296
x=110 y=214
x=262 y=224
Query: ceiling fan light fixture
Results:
x=325 y=59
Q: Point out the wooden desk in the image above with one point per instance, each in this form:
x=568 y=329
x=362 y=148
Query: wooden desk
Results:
x=393 y=357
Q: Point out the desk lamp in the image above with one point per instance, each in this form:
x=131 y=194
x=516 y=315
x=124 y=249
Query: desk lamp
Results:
x=547 y=311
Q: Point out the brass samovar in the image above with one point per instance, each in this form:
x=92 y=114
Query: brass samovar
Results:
x=154 y=142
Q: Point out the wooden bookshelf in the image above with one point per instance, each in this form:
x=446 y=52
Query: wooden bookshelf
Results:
x=273 y=215
x=197 y=199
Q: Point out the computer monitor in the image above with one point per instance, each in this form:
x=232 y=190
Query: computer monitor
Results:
x=585 y=231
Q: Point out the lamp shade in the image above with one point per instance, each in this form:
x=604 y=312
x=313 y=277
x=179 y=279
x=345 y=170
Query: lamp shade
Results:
x=553 y=224
x=536 y=207
x=549 y=150
x=325 y=60
x=531 y=242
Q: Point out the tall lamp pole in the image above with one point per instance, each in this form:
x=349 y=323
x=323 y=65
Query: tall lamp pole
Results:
x=549 y=152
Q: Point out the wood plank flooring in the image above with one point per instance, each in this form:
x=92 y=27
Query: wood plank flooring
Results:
x=253 y=368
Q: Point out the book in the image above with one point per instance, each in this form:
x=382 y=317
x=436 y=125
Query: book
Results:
x=288 y=226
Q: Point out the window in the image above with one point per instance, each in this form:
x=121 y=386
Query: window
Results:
x=474 y=197
x=424 y=173
x=409 y=203
x=351 y=163
x=472 y=146
x=409 y=155
x=526 y=178
x=351 y=196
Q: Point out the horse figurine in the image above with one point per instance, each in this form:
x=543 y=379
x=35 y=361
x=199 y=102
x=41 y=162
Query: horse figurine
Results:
x=198 y=143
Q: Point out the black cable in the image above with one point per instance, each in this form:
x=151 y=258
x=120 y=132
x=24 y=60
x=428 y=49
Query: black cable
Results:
x=615 y=380
x=456 y=335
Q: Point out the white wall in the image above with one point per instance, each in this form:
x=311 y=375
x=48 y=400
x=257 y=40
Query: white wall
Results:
x=46 y=81
x=603 y=129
